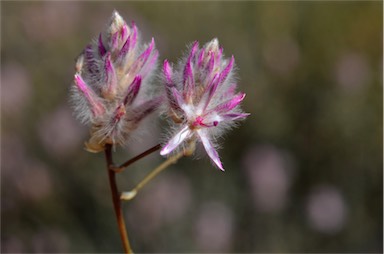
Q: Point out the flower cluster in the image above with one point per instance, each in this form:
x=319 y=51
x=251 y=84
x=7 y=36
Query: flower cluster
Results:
x=202 y=98
x=111 y=91
x=111 y=84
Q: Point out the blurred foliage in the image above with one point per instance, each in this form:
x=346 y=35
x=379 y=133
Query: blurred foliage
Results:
x=312 y=72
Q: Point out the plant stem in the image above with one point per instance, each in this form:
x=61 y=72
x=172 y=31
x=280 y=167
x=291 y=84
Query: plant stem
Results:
x=116 y=201
x=131 y=194
x=134 y=159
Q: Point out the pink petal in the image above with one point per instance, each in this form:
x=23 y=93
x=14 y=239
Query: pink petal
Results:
x=233 y=117
x=145 y=55
x=177 y=97
x=102 y=49
x=124 y=32
x=111 y=78
x=150 y=63
x=134 y=35
x=224 y=74
x=211 y=151
x=125 y=49
x=211 y=89
x=189 y=82
x=211 y=63
x=167 y=71
x=230 y=104
x=133 y=90
x=176 y=140
x=171 y=92
x=96 y=106
x=194 y=49
x=114 y=42
x=201 y=58
x=142 y=59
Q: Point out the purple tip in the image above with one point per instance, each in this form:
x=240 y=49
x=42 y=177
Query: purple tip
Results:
x=211 y=63
x=134 y=35
x=145 y=55
x=224 y=74
x=133 y=90
x=211 y=89
x=194 y=49
x=231 y=104
x=167 y=70
x=124 y=32
x=111 y=79
x=96 y=107
x=124 y=50
x=150 y=64
x=102 y=49
x=114 y=43
x=201 y=58
x=189 y=82
x=219 y=54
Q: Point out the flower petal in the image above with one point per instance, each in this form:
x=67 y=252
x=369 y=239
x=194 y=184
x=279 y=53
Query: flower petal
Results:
x=167 y=71
x=189 y=82
x=225 y=73
x=230 y=104
x=109 y=90
x=234 y=116
x=102 y=50
x=96 y=106
x=176 y=140
x=133 y=90
x=211 y=151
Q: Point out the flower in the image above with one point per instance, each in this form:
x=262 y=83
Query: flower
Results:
x=201 y=98
x=110 y=89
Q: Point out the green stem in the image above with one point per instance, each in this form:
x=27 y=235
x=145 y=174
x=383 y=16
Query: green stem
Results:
x=173 y=159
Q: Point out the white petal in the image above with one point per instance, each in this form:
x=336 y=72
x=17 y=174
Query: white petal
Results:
x=211 y=151
x=176 y=140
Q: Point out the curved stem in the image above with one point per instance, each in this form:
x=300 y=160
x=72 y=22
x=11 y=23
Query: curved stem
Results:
x=116 y=201
x=134 y=159
x=131 y=194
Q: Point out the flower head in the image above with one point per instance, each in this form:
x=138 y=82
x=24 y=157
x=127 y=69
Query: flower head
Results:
x=201 y=98
x=110 y=89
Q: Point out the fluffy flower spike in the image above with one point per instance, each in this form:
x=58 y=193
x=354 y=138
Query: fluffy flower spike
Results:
x=201 y=98
x=111 y=84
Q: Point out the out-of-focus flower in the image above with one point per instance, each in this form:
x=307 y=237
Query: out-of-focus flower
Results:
x=270 y=173
x=110 y=73
x=214 y=228
x=326 y=209
x=201 y=98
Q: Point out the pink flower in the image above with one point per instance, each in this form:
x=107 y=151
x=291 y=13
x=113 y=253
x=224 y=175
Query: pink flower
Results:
x=201 y=98
x=110 y=89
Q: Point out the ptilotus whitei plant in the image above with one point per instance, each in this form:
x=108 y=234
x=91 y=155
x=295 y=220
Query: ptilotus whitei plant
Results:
x=114 y=90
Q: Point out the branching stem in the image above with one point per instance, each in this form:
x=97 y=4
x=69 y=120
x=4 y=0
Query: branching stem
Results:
x=171 y=160
x=134 y=159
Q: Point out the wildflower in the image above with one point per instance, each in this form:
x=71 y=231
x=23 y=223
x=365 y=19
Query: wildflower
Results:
x=201 y=98
x=111 y=84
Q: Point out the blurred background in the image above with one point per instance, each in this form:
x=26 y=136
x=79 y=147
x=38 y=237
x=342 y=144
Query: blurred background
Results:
x=303 y=172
